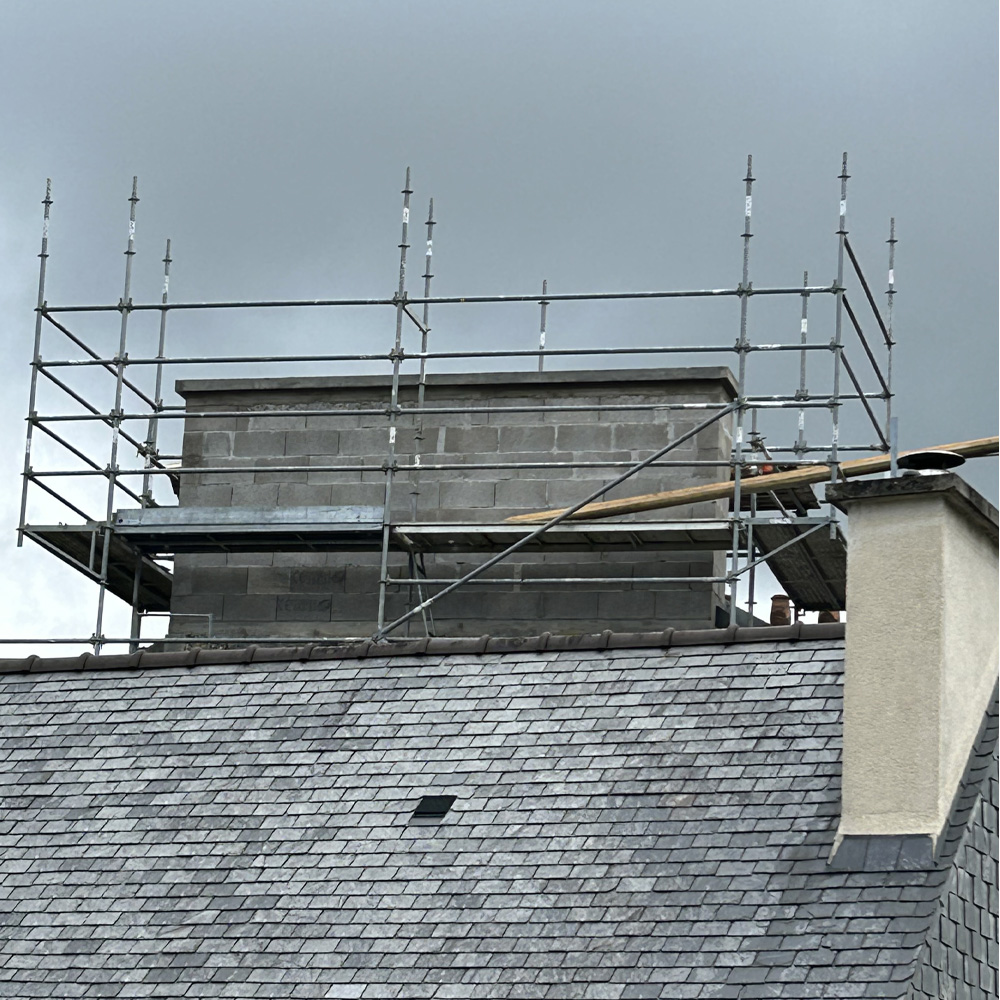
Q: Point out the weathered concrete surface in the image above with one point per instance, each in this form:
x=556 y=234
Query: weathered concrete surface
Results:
x=267 y=594
x=921 y=647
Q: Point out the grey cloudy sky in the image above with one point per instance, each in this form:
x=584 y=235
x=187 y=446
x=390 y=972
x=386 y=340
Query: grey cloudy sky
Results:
x=598 y=145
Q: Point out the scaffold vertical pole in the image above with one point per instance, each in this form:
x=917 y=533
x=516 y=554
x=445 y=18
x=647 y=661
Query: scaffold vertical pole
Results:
x=541 y=332
x=800 y=442
x=837 y=343
x=116 y=414
x=889 y=295
x=425 y=614
x=400 y=300
x=152 y=430
x=752 y=572
x=741 y=346
x=35 y=359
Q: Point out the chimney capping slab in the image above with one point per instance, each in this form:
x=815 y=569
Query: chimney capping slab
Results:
x=958 y=492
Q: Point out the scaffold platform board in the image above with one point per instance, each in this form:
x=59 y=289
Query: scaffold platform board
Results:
x=813 y=571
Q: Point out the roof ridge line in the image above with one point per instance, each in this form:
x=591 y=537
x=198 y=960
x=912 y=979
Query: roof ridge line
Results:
x=341 y=649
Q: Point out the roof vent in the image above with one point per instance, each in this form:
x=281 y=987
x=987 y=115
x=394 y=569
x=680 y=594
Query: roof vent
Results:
x=432 y=808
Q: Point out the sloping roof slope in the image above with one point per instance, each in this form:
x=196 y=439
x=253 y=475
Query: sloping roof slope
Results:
x=628 y=823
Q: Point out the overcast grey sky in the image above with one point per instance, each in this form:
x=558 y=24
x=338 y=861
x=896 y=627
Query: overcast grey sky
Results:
x=599 y=145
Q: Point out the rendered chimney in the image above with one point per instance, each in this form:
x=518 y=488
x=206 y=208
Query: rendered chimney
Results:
x=921 y=653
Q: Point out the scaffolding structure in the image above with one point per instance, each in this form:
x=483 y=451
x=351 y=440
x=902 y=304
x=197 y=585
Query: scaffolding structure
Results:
x=122 y=550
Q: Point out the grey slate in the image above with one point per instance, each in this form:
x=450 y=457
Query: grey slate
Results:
x=631 y=821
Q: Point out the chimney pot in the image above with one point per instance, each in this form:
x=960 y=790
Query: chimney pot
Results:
x=781 y=612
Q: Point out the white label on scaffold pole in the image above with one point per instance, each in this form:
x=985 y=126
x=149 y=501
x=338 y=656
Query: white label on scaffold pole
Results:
x=131 y=229
x=892 y=277
x=802 y=420
x=406 y=216
x=804 y=329
x=843 y=208
x=749 y=205
x=392 y=435
x=416 y=460
x=430 y=247
x=166 y=283
x=45 y=229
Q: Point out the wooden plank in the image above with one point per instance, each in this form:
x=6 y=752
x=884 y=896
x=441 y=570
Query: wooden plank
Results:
x=754 y=484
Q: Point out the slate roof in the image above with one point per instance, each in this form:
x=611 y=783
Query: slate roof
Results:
x=634 y=817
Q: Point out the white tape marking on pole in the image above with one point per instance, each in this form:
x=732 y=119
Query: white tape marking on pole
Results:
x=166 y=283
x=416 y=460
x=892 y=277
x=843 y=208
x=406 y=216
x=749 y=205
x=45 y=229
x=430 y=247
x=805 y=327
x=131 y=229
x=802 y=420
x=392 y=435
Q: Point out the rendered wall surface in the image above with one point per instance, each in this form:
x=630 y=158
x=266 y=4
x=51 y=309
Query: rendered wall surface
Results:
x=318 y=594
x=921 y=649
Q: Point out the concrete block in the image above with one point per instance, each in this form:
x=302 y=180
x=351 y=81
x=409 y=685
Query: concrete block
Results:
x=522 y=493
x=195 y=605
x=304 y=495
x=645 y=437
x=623 y=605
x=317 y=579
x=248 y=607
x=268 y=580
x=471 y=440
x=293 y=559
x=202 y=424
x=581 y=437
x=217 y=495
x=219 y=579
x=362 y=494
x=303 y=608
x=572 y=605
x=507 y=418
x=333 y=422
x=259 y=443
x=265 y=423
x=527 y=438
x=249 y=559
x=684 y=603
x=360 y=608
x=462 y=495
x=255 y=494
x=312 y=442
x=365 y=442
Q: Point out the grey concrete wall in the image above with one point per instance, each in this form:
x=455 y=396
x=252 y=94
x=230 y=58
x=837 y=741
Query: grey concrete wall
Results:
x=319 y=594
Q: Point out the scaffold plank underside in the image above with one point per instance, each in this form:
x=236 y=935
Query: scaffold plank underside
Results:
x=813 y=571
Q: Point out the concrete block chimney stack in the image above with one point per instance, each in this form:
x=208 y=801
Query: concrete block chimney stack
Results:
x=921 y=655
